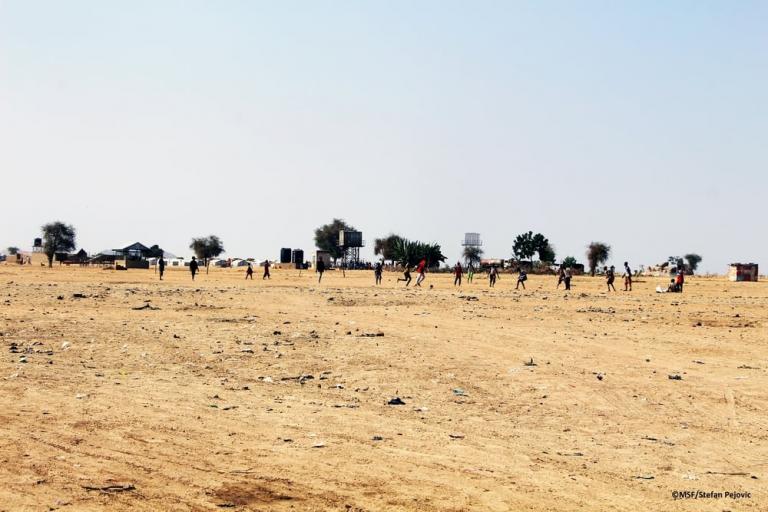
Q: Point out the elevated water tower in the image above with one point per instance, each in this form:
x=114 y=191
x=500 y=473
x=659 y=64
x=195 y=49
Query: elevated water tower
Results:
x=472 y=240
x=350 y=243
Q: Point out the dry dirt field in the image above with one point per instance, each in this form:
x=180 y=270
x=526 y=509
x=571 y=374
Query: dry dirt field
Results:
x=120 y=392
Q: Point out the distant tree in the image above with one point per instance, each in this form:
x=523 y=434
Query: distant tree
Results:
x=13 y=251
x=57 y=237
x=385 y=247
x=408 y=253
x=597 y=254
x=155 y=252
x=327 y=238
x=569 y=261
x=473 y=255
x=675 y=263
x=206 y=248
x=524 y=247
x=693 y=261
x=527 y=245
x=546 y=253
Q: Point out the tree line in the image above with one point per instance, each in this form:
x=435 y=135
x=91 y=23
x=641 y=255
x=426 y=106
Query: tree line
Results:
x=59 y=237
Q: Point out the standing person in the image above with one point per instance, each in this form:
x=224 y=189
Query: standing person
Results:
x=320 y=269
x=266 y=271
x=610 y=277
x=627 y=278
x=193 y=267
x=377 y=271
x=457 y=272
x=493 y=274
x=567 y=275
x=161 y=267
x=680 y=280
x=406 y=276
x=249 y=271
x=421 y=269
x=560 y=276
x=521 y=278
x=470 y=272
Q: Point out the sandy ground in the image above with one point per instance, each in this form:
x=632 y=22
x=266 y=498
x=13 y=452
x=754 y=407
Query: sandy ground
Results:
x=231 y=395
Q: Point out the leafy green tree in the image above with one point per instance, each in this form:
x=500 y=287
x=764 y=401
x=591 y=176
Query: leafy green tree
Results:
x=13 y=251
x=527 y=245
x=473 y=255
x=597 y=254
x=546 y=253
x=327 y=238
x=385 y=247
x=693 y=260
x=57 y=237
x=408 y=253
x=206 y=248
x=155 y=252
x=524 y=247
x=569 y=261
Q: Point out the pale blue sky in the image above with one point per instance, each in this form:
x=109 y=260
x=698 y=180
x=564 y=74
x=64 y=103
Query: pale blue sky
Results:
x=640 y=124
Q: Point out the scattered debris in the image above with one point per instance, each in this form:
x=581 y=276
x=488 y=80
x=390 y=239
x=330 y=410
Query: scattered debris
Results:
x=146 y=306
x=530 y=363
x=459 y=392
x=396 y=401
x=110 y=488
x=675 y=376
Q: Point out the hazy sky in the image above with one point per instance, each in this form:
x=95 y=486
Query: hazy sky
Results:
x=640 y=124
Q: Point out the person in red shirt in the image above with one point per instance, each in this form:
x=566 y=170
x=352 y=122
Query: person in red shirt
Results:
x=457 y=272
x=679 y=281
x=421 y=269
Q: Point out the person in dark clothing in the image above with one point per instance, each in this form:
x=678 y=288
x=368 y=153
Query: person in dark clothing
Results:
x=249 y=272
x=161 y=267
x=406 y=276
x=610 y=277
x=560 y=276
x=567 y=275
x=493 y=274
x=266 y=271
x=193 y=267
x=521 y=279
x=320 y=269
x=457 y=272
x=377 y=271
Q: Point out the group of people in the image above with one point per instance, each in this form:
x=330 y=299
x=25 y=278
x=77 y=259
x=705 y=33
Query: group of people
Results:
x=194 y=267
x=564 y=275
x=610 y=277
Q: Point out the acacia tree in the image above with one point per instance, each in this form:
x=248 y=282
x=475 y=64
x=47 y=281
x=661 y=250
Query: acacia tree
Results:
x=57 y=237
x=327 y=238
x=693 y=260
x=13 y=250
x=472 y=255
x=385 y=247
x=206 y=248
x=597 y=253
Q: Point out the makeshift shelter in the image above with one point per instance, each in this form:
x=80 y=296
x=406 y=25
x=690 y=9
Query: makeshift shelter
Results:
x=743 y=272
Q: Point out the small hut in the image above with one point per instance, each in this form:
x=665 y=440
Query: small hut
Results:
x=742 y=272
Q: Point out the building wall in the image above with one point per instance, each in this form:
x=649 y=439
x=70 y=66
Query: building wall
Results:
x=743 y=272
